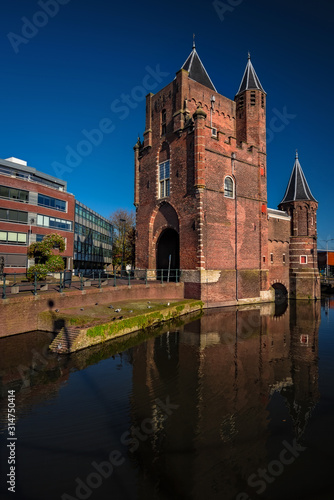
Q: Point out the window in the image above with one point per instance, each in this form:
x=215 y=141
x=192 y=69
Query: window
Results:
x=53 y=222
x=303 y=259
x=284 y=258
x=15 y=260
x=13 y=216
x=163 y=122
x=264 y=258
x=14 y=194
x=214 y=132
x=47 y=201
x=262 y=100
x=13 y=238
x=252 y=99
x=229 y=187
x=272 y=258
x=164 y=173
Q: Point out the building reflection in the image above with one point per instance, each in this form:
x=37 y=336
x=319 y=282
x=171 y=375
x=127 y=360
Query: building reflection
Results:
x=234 y=374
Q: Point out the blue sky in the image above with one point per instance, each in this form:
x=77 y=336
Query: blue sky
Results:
x=65 y=77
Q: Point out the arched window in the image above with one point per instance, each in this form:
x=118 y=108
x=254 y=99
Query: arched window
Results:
x=229 y=187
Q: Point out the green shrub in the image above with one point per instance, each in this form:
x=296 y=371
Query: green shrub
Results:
x=55 y=264
x=40 y=269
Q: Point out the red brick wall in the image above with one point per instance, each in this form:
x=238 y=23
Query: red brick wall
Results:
x=279 y=239
x=212 y=227
x=20 y=314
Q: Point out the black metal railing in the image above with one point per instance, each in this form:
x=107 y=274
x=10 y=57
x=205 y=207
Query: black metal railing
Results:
x=17 y=283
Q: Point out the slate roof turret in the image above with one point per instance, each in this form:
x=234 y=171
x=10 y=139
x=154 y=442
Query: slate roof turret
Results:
x=250 y=80
x=297 y=189
x=196 y=70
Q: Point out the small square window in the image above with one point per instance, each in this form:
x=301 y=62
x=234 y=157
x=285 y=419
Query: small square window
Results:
x=303 y=259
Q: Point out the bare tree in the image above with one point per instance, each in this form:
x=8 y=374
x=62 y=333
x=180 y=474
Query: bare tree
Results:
x=123 y=222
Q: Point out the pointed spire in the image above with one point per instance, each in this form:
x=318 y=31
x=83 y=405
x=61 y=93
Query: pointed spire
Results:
x=250 y=79
x=298 y=188
x=196 y=70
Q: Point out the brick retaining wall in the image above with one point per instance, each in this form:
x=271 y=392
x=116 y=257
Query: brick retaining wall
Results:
x=20 y=314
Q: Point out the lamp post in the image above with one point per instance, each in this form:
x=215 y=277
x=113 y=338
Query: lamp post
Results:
x=123 y=240
x=31 y=222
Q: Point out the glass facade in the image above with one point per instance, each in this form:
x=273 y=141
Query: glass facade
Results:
x=92 y=240
x=92 y=217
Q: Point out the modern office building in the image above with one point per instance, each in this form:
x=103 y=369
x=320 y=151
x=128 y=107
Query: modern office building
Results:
x=92 y=240
x=34 y=204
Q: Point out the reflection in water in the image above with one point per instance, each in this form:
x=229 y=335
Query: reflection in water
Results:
x=227 y=368
x=195 y=411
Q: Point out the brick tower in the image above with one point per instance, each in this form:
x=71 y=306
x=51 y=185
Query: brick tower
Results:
x=200 y=187
x=300 y=204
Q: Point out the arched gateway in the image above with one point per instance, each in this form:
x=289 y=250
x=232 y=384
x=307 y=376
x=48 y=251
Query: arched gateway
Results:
x=281 y=293
x=168 y=254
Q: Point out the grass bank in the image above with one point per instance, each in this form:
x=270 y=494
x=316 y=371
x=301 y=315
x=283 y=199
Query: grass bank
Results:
x=98 y=324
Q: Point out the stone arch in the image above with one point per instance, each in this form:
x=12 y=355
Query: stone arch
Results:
x=165 y=216
x=281 y=291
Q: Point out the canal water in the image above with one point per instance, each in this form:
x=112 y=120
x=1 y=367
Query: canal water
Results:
x=235 y=404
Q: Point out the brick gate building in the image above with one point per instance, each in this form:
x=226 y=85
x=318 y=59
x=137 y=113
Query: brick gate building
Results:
x=201 y=195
